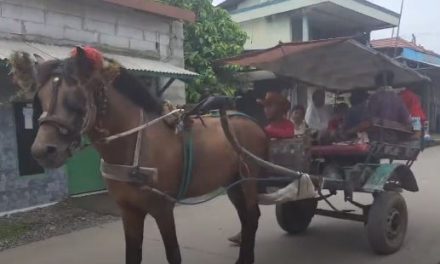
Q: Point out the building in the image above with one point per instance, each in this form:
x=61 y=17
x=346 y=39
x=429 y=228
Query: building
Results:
x=144 y=36
x=269 y=22
x=424 y=61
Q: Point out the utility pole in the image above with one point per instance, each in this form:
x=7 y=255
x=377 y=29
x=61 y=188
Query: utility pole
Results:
x=398 y=29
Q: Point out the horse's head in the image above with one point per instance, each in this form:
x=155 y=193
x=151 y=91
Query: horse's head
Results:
x=64 y=104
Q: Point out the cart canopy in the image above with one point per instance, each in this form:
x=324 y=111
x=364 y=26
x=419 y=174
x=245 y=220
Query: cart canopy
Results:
x=340 y=64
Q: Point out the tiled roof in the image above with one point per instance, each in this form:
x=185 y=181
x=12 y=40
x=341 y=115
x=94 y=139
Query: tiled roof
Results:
x=400 y=43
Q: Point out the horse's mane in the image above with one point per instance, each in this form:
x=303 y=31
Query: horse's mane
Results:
x=130 y=86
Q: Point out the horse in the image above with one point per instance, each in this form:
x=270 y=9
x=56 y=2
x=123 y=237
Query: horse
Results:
x=89 y=95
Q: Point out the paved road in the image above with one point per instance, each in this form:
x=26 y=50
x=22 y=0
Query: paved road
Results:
x=202 y=231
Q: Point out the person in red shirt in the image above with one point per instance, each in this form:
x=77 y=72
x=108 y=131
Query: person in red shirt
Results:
x=338 y=118
x=276 y=107
x=412 y=103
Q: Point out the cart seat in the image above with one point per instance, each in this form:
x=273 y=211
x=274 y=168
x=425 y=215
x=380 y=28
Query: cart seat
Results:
x=340 y=150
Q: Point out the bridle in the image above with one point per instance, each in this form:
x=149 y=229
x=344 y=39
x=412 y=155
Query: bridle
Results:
x=89 y=121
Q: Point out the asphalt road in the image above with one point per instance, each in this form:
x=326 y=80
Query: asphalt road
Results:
x=203 y=230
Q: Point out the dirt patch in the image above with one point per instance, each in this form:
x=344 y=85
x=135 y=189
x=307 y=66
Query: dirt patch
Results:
x=39 y=224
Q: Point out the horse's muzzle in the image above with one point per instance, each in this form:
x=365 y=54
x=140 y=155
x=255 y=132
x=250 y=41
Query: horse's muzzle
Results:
x=48 y=155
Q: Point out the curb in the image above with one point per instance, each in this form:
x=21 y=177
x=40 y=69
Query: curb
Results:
x=432 y=143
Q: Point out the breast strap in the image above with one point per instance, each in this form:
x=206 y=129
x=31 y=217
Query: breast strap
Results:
x=131 y=173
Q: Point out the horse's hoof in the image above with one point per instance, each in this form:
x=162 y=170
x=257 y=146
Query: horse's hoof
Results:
x=236 y=239
x=244 y=262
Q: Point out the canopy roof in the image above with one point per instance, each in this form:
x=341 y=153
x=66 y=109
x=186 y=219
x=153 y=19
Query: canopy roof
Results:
x=340 y=64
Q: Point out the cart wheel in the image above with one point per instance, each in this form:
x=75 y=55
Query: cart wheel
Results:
x=387 y=222
x=295 y=217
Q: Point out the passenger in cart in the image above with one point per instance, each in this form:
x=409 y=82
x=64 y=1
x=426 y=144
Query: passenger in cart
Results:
x=276 y=107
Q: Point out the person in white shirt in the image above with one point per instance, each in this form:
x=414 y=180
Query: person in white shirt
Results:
x=297 y=117
x=318 y=114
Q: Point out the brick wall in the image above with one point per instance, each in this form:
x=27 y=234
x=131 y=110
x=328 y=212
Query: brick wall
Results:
x=98 y=23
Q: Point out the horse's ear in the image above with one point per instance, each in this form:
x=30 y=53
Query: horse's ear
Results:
x=79 y=52
x=84 y=66
x=38 y=59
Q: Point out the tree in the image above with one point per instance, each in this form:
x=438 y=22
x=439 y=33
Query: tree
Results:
x=213 y=36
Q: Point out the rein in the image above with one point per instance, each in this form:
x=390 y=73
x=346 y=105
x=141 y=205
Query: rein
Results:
x=111 y=138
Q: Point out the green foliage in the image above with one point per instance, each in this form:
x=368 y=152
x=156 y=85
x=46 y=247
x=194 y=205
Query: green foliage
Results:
x=214 y=36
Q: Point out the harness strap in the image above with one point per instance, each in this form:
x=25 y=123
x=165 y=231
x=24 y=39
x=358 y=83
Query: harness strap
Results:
x=53 y=101
x=123 y=173
x=137 y=150
x=187 y=164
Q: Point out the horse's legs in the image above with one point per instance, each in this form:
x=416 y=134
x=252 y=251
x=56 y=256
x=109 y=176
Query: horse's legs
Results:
x=133 y=221
x=165 y=221
x=245 y=201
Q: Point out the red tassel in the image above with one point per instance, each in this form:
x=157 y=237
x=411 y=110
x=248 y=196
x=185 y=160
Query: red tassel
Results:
x=92 y=54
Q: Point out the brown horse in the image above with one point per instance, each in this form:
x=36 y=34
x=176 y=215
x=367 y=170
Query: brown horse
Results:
x=81 y=95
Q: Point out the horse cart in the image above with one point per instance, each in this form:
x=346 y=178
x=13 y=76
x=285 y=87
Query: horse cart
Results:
x=379 y=167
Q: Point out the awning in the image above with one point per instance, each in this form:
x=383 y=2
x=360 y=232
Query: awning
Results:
x=50 y=52
x=417 y=56
x=336 y=64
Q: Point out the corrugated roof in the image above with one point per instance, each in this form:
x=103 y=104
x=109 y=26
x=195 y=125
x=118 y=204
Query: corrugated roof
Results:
x=49 y=52
x=399 y=43
x=336 y=64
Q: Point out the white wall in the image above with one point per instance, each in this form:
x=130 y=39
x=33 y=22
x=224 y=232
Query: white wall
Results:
x=267 y=32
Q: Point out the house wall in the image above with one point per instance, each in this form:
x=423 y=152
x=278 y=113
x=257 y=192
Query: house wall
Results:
x=267 y=32
x=22 y=191
x=95 y=22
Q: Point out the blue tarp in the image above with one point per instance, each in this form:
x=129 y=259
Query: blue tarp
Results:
x=417 y=56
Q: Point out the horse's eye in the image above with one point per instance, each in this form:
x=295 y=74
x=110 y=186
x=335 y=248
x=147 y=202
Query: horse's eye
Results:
x=63 y=131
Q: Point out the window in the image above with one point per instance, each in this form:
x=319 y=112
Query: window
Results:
x=297 y=29
x=26 y=130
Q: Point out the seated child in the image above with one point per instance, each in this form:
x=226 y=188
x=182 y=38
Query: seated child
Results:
x=297 y=117
x=276 y=107
x=337 y=121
